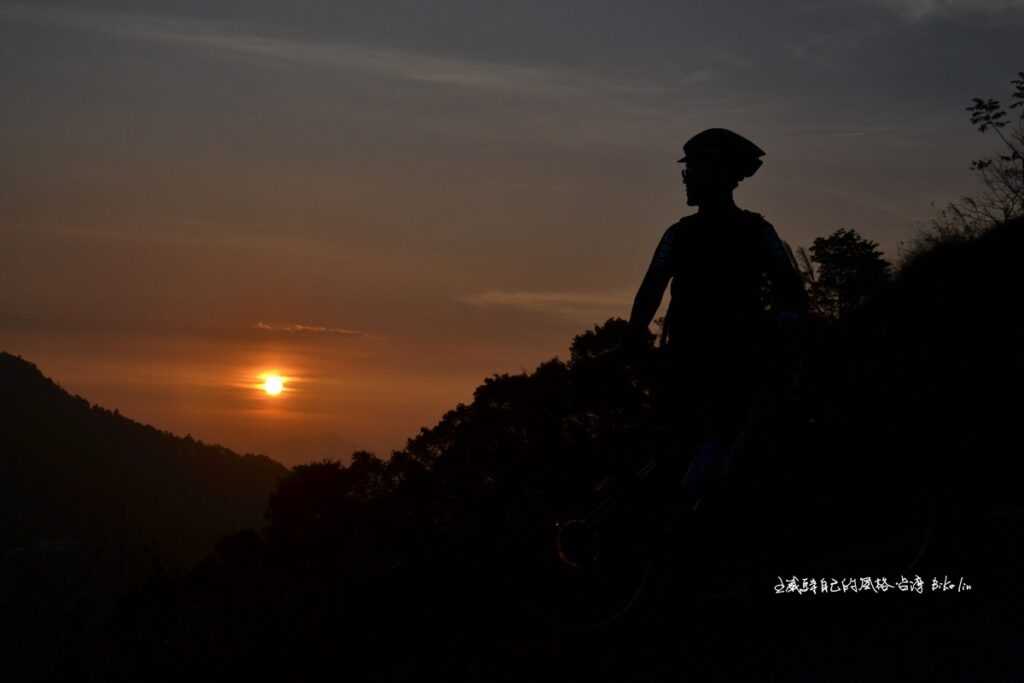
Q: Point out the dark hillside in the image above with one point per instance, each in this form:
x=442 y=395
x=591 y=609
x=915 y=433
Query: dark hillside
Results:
x=94 y=506
x=74 y=474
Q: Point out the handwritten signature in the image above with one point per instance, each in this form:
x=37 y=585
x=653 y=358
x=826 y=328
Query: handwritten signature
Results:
x=867 y=584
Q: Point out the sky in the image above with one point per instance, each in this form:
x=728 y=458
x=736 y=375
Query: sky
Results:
x=386 y=201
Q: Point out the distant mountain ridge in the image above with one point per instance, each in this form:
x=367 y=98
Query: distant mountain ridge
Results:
x=78 y=475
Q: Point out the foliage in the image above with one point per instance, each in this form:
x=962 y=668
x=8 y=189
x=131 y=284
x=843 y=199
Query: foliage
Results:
x=1002 y=177
x=842 y=271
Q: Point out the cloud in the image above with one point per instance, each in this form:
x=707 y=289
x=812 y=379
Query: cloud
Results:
x=921 y=9
x=820 y=132
x=383 y=62
x=298 y=328
x=574 y=305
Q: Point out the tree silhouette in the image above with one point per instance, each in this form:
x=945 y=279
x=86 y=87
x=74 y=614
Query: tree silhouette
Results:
x=603 y=339
x=843 y=271
x=1002 y=176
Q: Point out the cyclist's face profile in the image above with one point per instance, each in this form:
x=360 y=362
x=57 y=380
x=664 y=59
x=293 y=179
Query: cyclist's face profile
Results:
x=703 y=177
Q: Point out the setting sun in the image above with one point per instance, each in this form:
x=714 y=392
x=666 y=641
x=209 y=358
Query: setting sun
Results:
x=273 y=385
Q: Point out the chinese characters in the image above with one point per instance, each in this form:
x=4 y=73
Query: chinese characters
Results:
x=867 y=584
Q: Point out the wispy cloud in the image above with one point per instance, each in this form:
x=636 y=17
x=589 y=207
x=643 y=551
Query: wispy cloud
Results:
x=297 y=328
x=574 y=305
x=383 y=62
x=844 y=132
x=921 y=9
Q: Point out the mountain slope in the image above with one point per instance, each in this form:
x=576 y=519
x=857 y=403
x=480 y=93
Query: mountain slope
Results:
x=77 y=475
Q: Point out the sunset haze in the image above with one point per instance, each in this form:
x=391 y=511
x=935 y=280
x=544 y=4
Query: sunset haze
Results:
x=385 y=202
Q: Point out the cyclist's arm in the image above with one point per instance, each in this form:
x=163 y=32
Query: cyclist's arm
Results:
x=648 y=297
x=790 y=297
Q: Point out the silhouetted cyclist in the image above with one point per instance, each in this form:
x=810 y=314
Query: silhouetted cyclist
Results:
x=734 y=282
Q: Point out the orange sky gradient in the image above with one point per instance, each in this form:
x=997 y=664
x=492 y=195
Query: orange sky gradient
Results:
x=387 y=206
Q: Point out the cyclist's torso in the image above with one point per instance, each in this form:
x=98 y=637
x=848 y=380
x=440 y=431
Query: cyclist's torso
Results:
x=719 y=285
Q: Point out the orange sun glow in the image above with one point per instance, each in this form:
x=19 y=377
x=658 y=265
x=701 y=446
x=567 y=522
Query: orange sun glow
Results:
x=273 y=384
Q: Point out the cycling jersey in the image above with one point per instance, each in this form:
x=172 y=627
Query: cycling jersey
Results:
x=728 y=274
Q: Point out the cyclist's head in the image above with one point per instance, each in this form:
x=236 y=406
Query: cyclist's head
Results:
x=715 y=161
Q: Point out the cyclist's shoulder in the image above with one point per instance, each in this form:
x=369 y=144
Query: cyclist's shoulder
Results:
x=688 y=224
x=760 y=227
x=756 y=219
